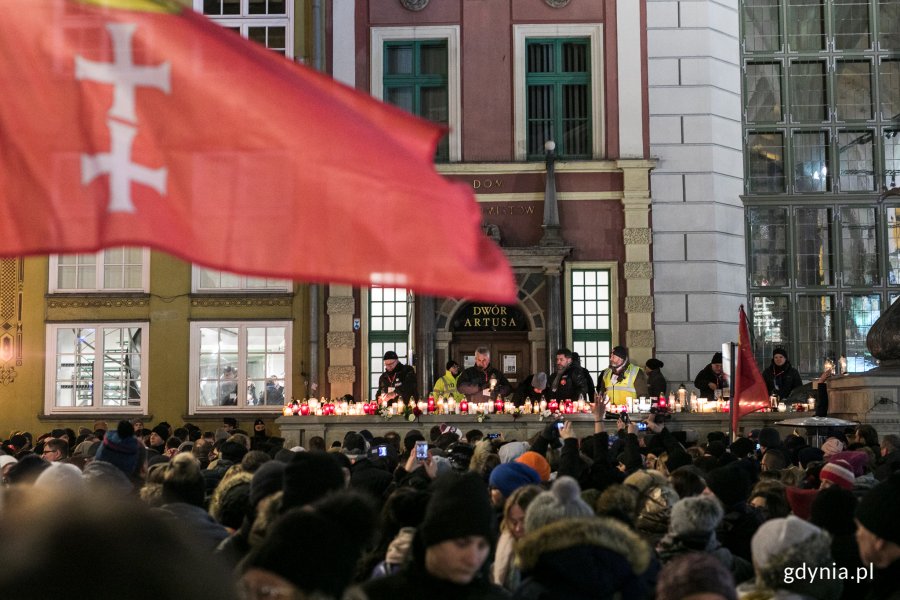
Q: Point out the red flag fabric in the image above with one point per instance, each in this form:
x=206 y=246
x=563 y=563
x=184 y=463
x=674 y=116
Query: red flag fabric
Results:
x=750 y=392
x=142 y=123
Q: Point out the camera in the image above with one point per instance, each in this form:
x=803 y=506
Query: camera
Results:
x=382 y=450
x=493 y=436
x=560 y=424
x=421 y=450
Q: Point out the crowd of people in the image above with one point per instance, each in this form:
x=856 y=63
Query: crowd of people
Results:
x=166 y=513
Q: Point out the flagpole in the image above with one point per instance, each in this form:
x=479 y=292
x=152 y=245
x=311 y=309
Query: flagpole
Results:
x=731 y=405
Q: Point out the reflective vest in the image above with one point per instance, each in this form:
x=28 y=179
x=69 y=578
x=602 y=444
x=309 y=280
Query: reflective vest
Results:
x=622 y=388
x=446 y=386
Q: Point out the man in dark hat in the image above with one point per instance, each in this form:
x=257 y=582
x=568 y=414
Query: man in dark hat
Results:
x=711 y=378
x=398 y=380
x=656 y=381
x=621 y=380
x=878 y=535
x=781 y=378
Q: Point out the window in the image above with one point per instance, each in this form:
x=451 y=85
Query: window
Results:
x=765 y=161
x=415 y=79
x=417 y=69
x=590 y=313
x=768 y=246
x=209 y=280
x=771 y=325
x=558 y=93
x=558 y=99
x=240 y=366
x=96 y=368
x=764 y=92
x=762 y=25
x=110 y=270
x=267 y=22
x=860 y=312
x=389 y=318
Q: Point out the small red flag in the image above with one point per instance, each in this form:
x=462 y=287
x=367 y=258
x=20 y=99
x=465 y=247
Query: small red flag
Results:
x=142 y=123
x=750 y=392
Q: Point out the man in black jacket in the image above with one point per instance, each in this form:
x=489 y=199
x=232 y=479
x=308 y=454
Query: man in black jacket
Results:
x=482 y=382
x=398 y=380
x=780 y=377
x=569 y=381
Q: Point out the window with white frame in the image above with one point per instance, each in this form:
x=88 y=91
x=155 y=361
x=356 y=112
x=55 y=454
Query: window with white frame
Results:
x=212 y=281
x=558 y=90
x=267 y=22
x=112 y=270
x=96 y=368
x=389 y=329
x=239 y=365
x=417 y=68
x=591 y=313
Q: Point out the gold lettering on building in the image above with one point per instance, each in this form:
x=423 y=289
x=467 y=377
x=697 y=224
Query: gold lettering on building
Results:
x=486 y=184
x=491 y=322
x=504 y=210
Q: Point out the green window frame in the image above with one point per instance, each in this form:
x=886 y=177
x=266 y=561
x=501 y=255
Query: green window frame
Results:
x=415 y=78
x=558 y=96
x=592 y=311
x=389 y=322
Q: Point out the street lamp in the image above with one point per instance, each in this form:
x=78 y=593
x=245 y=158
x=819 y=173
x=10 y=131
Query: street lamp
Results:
x=551 y=235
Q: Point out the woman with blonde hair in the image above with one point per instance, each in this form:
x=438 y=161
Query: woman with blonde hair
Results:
x=512 y=528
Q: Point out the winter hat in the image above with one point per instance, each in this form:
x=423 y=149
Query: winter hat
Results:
x=655 y=363
x=390 y=355
x=741 y=447
x=120 y=448
x=5 y=459
x=61 y=477
x=730 y=484
x=562 y=501
x=695 y=515
x=459 y=507
x=233 y=451
x=19 y=441
x=161 y=430
x=537 y=462
x=693 y=574
x=832 y=510
x=857 y=459
x=621 y=352
x=508 y=477
x=512 y=450
x=832 y=446
x=100 y=475
x=339 y=526
x=716 y=359
x=808 y=455
x=877 y=510
x=779 y=351
x=777 y=536
x=769 y=437
x=309 y=476
x=539 y=381
x=839 y=473
x=354 y=444
x=268 y=479
x=801 y=500
x=644 y=480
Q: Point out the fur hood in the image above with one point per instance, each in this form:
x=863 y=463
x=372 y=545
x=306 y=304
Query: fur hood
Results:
x=602 y=532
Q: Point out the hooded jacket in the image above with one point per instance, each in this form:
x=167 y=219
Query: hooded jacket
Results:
x=782 y=380
x=589 y=558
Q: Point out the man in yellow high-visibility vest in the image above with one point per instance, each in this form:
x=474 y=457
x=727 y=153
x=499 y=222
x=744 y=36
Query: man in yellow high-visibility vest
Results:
x=622 y=379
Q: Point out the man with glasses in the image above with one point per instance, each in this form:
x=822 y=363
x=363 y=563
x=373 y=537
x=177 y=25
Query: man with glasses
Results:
x=398 y=380
x=55 y=450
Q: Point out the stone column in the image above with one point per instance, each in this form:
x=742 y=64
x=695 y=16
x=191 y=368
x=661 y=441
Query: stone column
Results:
x=554 y=309
x=425 y=368
x=340 y=341
x=638 y=269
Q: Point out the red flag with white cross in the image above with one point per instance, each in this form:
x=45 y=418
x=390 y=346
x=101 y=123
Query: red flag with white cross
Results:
x=142 y=123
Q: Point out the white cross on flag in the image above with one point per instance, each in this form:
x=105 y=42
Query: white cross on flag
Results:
x=141 y=123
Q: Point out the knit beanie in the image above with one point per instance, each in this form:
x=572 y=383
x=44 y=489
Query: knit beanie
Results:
x=777 y=536
x=645 y=479
x=695 y=515
x=354 y=444
x=508 y=477
x=162 y=430
x=741 y=447
x=61 y=477
x=730 y=484
x=716 y=359
x=877 y=510
x=120 y=448
x=268 y=479
x=839 y=473
x=459 y=507
x=309 y=476
x=769 y=437
x=511 y=451
x=832 y=510
x=233 y=451
x=654 y=363
x=694 y=574
x=857 y=459
x=562 y=501
x=621 y=352
x=832 y=446
x=537 y=462
x=808 y=455
x=801 y=500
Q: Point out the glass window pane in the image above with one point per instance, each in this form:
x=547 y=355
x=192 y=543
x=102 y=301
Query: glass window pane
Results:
x=575 y=57
x=434 y=59
x=889 y=75
x=859 y=249
x=893 y=244
x=853 y=87
x=814 y=246
x=808 y=85
x=768 y=246
x=889 y=24
x=851 y=24
x=856 y=151
x=539 y=57
x=811 y=152
x=576 y=120
x=816 y=332
x=765 y=162
x=860 y=312
x=257 y=7
x=762 y=26
x=399 y=59
x=539 y=117
x=771 y=325
x=435 y=104
x=891 y=141
x=807 y=25
x=764 y=92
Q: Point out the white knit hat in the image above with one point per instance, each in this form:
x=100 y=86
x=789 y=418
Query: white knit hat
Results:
x=563 y=501
x=776 y=536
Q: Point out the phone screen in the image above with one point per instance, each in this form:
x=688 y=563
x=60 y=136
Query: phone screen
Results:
x=382 y=450
x=642 y=426
x=493 y=436
x=421 y=450
x=560 y=424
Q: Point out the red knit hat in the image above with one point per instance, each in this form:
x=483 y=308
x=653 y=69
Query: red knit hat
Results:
x=839 y=473
x=801 y=501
